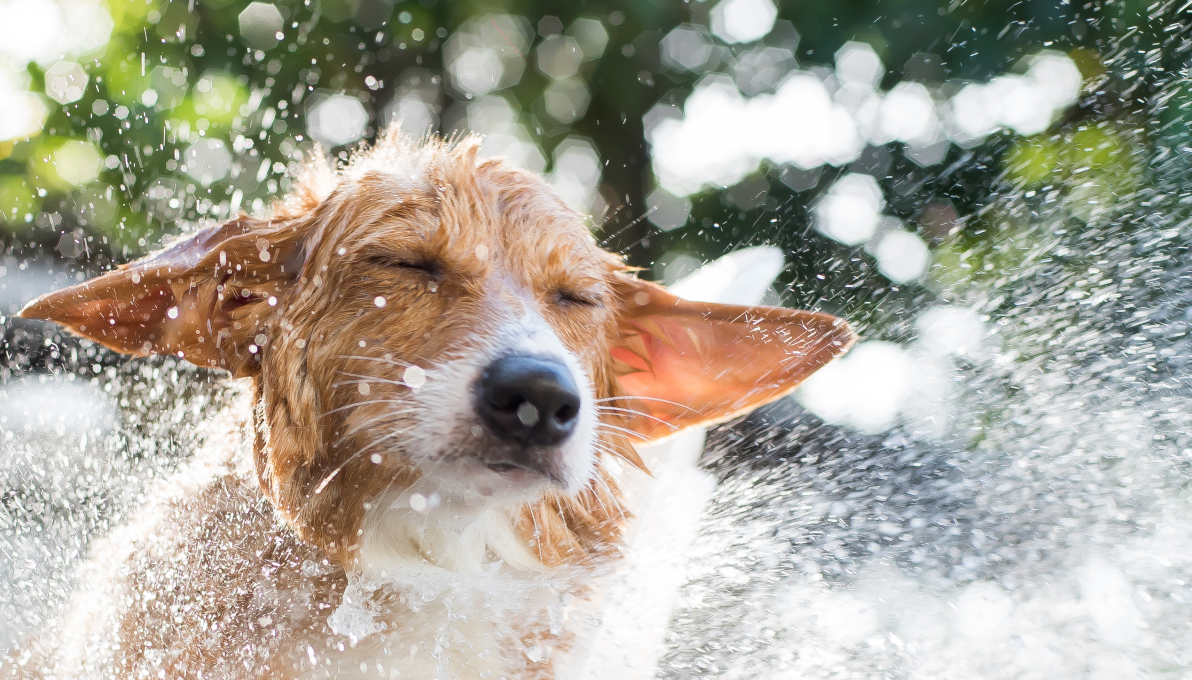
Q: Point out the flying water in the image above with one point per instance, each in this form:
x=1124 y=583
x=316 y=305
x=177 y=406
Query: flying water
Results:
x=1003 y=494
x=992 y=484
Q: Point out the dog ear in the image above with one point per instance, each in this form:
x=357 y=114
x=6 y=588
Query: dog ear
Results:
x=681 y=363
x=207 y=298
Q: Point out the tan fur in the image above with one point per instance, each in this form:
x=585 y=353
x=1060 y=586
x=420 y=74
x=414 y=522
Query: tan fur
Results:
x=288 y=300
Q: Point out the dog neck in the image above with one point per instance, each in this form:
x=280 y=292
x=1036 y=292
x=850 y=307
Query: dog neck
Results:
x=414 y=530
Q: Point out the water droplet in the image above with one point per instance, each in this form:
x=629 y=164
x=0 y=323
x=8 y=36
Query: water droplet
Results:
x=418 y=504
x=414 y=377
x=527 y=413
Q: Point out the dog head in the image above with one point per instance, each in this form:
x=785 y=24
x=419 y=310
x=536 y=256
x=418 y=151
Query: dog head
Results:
x=426 y=330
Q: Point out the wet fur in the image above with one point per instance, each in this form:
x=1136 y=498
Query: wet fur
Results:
x=238 y=567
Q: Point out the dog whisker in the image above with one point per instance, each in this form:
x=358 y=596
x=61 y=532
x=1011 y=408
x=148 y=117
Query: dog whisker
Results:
x=370 y=423
x=363 y=377
x=625 y=431
x=599 y=481
x=614 y=409
x=356 y=404
x=643 y=398
x=327 y=480
x=359 y=357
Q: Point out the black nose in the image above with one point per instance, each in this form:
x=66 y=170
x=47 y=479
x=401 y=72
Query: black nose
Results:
x=529 y=400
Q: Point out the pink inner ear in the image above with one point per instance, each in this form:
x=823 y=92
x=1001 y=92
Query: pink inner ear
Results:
x=696 y=364
x=629 y=358
x=678 y=358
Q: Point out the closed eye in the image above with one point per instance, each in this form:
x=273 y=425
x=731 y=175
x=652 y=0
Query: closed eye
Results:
x=572 y=298
x=424 y=266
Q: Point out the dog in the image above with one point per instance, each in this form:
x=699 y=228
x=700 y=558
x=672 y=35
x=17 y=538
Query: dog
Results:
x=448 y=376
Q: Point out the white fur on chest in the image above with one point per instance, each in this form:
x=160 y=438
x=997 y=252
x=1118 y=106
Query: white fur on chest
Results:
x=451 y=592
x=438 y=626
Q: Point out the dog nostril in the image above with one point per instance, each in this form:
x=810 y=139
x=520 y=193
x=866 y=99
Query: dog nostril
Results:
x=505 y=401
x=528 y=400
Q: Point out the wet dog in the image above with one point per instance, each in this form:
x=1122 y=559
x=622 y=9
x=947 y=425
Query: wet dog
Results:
x=448 y=376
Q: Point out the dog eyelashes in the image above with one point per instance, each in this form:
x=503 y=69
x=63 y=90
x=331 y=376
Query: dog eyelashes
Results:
x=425 y=266
x=567 y=297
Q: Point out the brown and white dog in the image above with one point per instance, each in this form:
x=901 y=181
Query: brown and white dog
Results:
x=448 y=377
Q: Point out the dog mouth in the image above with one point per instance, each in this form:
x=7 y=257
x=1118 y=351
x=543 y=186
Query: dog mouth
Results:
x=525 y=463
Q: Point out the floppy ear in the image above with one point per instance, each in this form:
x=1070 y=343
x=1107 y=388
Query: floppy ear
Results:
x=683 y=363
x=206 y=298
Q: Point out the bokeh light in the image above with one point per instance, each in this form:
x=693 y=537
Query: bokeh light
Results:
x=576 y=172
x=261 y=25
x=686 y=48
x=217 y=99
x=487 y=53
x=591 y=35
x=858 y=63
x=22 y=113
x=559 y=57
x=207 y=161
x=77 y=162
x=741 y=277
x=1024 y=103
x=865 y=390
x=336 y=119
x=761 y=69
x=901 y=256
x=65 y=81
x=497 y=118
x=667 y=211
x=566 y=100
x=43 y=31
x=415 y=103
x=723 y=135
x=743 y=21
x=169 y=86
x=850 y=210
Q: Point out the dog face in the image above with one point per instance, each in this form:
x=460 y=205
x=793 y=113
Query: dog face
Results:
x=429 y=330
x=465 y=337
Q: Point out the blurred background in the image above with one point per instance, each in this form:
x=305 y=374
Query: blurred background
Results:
x=993 y=484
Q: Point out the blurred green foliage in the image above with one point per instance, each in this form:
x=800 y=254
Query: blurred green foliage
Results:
x=208 y=80
x=111 y=164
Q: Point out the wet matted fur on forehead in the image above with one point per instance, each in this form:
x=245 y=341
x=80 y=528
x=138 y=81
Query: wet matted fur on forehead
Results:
x=445 y=191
